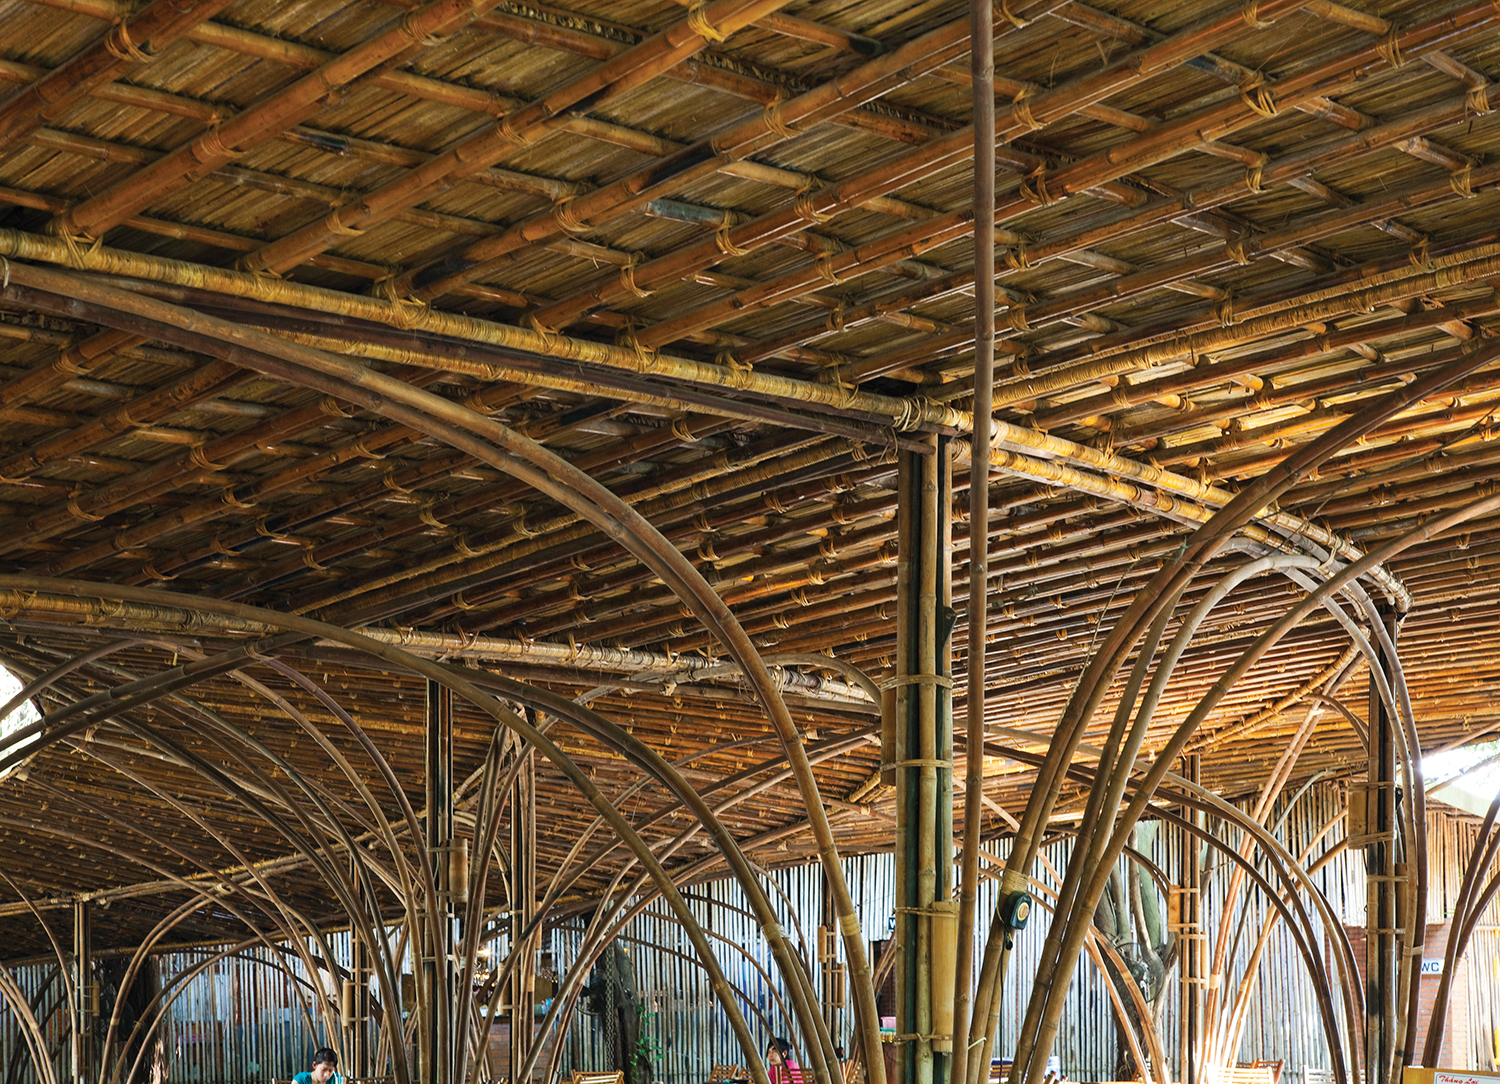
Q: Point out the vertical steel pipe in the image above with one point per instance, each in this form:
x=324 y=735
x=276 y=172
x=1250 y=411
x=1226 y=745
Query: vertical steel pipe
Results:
x=982 y=67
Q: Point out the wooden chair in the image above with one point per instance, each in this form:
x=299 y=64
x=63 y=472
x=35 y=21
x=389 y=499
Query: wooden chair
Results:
x=616 y=1076
x=1252 y=1073
x=725 y=1071
x=1317 y=1076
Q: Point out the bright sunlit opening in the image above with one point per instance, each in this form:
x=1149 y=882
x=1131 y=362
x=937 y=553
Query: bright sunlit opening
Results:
x=23 y=716
x=1467 y=777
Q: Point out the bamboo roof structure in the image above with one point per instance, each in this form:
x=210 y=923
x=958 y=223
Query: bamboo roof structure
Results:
x=261 y=259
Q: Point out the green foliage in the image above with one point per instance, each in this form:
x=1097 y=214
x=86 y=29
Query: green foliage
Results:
x=647 y=1053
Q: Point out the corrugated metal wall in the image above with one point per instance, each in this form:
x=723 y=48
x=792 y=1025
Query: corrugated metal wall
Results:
x=250 y=1018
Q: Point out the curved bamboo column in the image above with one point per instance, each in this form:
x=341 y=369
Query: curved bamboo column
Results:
x=513 y=454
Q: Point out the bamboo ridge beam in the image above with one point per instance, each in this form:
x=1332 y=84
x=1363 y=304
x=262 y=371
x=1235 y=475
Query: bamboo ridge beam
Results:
x=1046 y=445
x=907 y=414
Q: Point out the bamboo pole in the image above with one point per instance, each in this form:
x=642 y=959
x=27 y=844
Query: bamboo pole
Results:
x=129 y=42
x=659 y=53
x=408 y=406
x=219 y=144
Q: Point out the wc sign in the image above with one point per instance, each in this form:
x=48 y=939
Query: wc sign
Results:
x=1432 y=967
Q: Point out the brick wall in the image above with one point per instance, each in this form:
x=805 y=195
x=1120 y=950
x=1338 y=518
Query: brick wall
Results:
x=1455 y=1053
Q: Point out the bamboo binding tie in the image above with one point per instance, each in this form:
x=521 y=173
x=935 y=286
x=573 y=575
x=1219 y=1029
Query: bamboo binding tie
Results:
x=118 y=44
x=697 y=20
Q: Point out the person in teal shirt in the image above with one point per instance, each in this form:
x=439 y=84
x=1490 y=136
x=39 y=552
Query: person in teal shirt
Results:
x=325 y=1069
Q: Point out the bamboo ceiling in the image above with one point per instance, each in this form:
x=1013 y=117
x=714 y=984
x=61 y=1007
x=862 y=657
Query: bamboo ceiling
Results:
x=719 y=258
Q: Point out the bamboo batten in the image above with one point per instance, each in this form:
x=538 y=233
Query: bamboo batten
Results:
x=563 y=356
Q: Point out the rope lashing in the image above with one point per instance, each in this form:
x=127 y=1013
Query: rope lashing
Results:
x=1460 y=181
x=1017 y=257
x=1389 y=47
x=1420 y=256
x=409 y=28
x=566 y=219
x=776 y=122
x=78 y=513
x=697 y=20
x=1478 y=99
x=627 y=277
x=512 y=135
x=824 y=264
x=64 y=362
x=725 y=245
x=362 y=450
x=212 y=145
x=643 y=355
x=681 y=431
x=740 y=372
x=1251 y=14
x=1016 y=317
x=405 y=309
x=1254 y=175
x=804 y=209
x=1022 y=110
x=549 y=335
x=1258 y=97
x=1034 y=187
x=911 y=414
x=202 y=462
x=334 y=223
x=79 y=258
x=1003 y=10
x=1224 y=310
x=118 y=44
x=1234 y=248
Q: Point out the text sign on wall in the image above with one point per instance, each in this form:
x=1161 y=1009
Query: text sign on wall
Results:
x=1432 y=967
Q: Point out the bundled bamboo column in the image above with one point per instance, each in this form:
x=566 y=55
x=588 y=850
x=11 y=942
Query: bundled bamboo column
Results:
x=523 y=910
x=436 y=1055
x=924 y=768
x=82 y=990
x=1189 y=915
x=1379 y=801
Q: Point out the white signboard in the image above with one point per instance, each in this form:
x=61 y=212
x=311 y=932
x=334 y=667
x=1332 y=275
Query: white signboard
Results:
x=1432 y=967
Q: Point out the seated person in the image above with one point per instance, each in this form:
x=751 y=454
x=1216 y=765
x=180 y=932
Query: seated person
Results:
x=325 y=1069
x=781 y=1066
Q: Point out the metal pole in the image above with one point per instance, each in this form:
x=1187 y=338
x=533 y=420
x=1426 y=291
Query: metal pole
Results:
x=982 y=67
